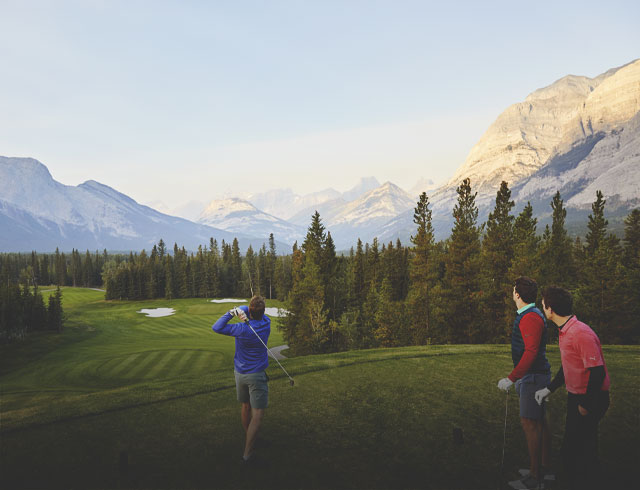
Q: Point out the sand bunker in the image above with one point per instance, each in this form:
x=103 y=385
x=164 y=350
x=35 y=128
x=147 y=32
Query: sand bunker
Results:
x=156 y=312
x=275 y=311
x=228 y=300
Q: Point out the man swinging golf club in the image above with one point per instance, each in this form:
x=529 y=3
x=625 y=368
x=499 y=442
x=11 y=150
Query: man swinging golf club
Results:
x=250 y=362
x=531 y=372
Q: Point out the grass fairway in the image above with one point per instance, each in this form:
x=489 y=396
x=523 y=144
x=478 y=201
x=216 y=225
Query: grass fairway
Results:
x=161 y=390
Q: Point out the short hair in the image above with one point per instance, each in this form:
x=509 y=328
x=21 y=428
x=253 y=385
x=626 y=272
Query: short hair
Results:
x=558 y=299
x=527 y=288
x=256 y=307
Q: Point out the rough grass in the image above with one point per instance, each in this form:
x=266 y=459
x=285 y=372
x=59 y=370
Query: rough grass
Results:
x=161 y=391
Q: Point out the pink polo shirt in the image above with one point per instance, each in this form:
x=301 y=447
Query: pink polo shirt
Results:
x=580 y=350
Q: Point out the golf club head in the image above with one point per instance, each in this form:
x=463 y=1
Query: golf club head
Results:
x=291 y=383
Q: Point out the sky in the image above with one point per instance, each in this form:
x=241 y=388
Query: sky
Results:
x=192 y=100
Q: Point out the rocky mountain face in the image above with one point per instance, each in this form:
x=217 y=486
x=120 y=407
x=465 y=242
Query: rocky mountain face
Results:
x=576 y=136
x=239 y=216
x=550 y=122
x=38 y=213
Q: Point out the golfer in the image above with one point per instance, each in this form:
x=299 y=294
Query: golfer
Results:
x=530 y=373
x=585 y=375
x=250 y=362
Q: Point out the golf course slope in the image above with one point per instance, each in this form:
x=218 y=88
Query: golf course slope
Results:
x=123 y=400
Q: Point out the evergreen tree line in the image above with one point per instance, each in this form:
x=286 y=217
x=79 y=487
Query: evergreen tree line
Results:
x=74 y=269
x=210 y=272
x=459 y=290
x=23 y=310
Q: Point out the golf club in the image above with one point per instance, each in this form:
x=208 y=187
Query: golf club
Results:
x=540 y=475
x=291 y=382
x=504 y=438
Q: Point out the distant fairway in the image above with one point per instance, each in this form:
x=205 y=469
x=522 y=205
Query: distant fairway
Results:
x=161 y=390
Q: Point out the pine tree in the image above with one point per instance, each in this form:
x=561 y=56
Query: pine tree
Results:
x=595 y=298
x=389 y=317
x=462 y=270
x=525 y=245
x=556 y=257
x=627 y=329
x=271 y=266
x=251 y=273
x=497 y=255
x=55 y=313
x=422 y=273
x=597 y=226
x=236 y=269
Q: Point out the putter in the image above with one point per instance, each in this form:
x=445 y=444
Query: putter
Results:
x=291 y=382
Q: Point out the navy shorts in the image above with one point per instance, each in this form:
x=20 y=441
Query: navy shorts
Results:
x=526 y=389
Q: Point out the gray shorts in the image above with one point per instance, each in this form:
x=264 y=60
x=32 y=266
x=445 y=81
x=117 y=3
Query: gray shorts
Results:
x=253 y=388
x=526 y=389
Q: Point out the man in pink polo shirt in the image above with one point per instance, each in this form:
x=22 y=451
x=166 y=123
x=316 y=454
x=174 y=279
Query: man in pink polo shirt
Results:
x=584 y=373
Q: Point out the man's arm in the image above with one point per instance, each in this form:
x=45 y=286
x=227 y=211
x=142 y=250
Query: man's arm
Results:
x=596 y=378
x=541 y=395
x=531 y=327
x=222 y=326
x=558 y=380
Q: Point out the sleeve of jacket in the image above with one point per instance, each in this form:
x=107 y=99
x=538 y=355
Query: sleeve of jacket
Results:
x=222 y=326
x=531 y=327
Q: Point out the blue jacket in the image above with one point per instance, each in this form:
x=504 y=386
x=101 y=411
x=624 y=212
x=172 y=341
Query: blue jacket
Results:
x=251 y=356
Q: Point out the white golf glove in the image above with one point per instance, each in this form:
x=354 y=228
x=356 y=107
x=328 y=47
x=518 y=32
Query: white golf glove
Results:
x=541 y=395
x=504 y=384
x=239 y=313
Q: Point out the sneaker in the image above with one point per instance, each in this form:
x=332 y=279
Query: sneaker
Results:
x=252 y=462
x=548 y=475
x=527 y=483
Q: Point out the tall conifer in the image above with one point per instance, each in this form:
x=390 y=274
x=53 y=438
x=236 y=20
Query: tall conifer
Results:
x=462 y=270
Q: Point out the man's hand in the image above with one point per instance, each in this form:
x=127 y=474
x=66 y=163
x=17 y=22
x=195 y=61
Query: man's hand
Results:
x=504 y=384
x=541 y=395
x=583 y=411
x=239 y=313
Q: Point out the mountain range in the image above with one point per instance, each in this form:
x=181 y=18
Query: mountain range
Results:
x=576 y=136
x=39 y=213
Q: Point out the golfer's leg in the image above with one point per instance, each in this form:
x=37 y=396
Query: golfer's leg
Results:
x=256 y=419
x=245 y=415
x=531 y=429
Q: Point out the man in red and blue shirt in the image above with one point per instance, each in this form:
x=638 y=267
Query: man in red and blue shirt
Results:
x=531 y=372
x=584 y=373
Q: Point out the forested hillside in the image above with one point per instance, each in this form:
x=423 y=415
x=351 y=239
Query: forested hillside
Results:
x=386 y=294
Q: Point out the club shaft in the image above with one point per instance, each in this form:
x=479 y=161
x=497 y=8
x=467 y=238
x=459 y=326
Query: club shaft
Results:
x=272 y=354
x=504 y=437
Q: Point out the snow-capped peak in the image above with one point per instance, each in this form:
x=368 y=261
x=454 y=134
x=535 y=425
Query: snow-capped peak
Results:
x=221 y=208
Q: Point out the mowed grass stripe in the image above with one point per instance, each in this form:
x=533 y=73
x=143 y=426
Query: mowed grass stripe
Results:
x=184 y=361
x=160 y=364
x=155 y=330
x=185 y=325
x=172 y=364
x=123 y=367
x=140 y=369
x=203 y=362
